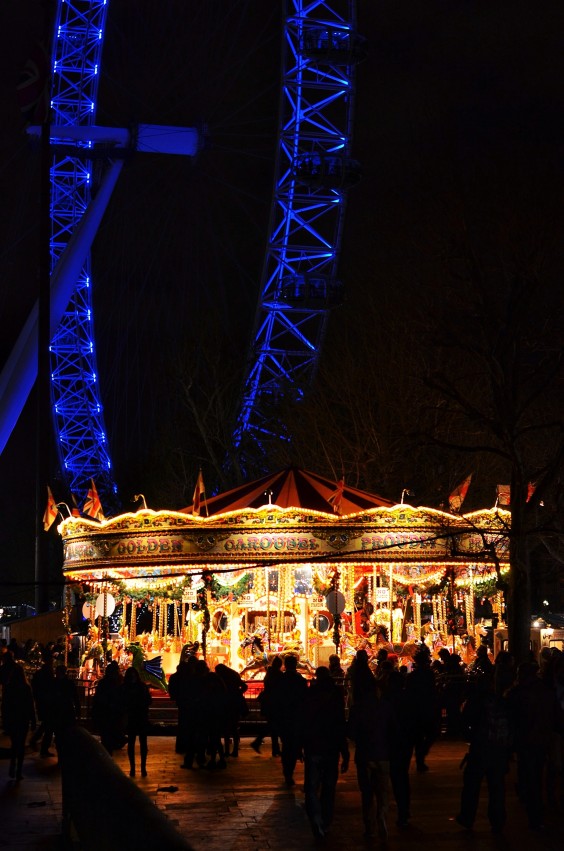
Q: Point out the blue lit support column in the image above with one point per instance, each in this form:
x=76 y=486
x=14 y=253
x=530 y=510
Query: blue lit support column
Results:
x=20 y=371
x=78 y=413
x=77 y=404
x=299 y=284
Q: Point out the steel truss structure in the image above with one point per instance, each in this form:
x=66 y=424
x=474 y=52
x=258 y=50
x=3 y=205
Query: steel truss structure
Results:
x=299 y=284
x=77 y=406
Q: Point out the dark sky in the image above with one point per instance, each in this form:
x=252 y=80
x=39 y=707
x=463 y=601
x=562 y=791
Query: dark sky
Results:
x=459 y=107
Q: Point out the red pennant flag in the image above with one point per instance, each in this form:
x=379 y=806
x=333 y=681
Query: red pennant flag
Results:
x=199 y=494
x=75 y=511
x=336 y=497
x=458 y=495
x=51 y=511
x=531 y=488
x=93 y=506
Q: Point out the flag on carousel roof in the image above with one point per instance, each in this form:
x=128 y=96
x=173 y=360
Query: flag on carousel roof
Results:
x=199 y=494
x=458 y=495
x=93 y=506
x=335 y=499
x=51 y=511
x=75 y=511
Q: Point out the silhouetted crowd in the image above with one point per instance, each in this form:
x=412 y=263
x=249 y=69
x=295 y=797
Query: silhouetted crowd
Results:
x=391 y=715
x=47 y=705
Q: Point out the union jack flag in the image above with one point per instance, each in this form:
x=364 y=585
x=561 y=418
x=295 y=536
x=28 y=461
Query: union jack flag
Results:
x=32 y=89
x=93 y=506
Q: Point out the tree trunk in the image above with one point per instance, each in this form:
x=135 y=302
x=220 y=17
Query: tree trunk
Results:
x=519 y=602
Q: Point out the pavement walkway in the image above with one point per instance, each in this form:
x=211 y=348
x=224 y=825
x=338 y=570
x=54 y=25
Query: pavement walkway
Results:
x=247 y=807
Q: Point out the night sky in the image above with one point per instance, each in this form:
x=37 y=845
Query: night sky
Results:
x=458 y=126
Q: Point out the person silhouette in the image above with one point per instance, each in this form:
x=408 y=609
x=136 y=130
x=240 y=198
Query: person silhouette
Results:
x=19 y=716
x=324 y=740
x=273 y=674
x=108 y=712
x=42 y=686
x=288 y=698
x=136 y=699
x=371 y=727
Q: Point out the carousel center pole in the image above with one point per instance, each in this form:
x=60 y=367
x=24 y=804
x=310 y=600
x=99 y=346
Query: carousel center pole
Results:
x=105 y=626
x=267 y=579
x=391 y=603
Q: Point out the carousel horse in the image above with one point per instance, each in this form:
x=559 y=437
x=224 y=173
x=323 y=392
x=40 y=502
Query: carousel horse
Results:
x=91 y=661
x=353 y=643
x=188 y=650
x=380 y=633
x=150 y=670
x=262 y=658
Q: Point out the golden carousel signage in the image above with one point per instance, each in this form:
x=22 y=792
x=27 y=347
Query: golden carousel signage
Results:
x=131 y=545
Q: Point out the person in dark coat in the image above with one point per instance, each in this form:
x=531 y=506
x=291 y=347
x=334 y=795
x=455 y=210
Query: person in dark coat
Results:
x=360 y=679
x=371 y=727
x=482 y=664
x=422 y=696
x=336 y=670
x=273 y=674
x=236 y=706
x=19 y=716
x=182 y=689
x=66 y=703
x=43 y=687
x=532 y=710
x=7 y=667
x=451 y=679
x=485 y=716
x=324 y=741
x=288 y=699
x=108 y=712
x=214 y=709
x=400 y=742
x=136 y=702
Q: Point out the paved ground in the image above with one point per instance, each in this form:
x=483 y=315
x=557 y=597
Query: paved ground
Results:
x=247 y=807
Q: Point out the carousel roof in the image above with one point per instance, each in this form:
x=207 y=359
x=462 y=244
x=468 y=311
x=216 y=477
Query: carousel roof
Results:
x=293 y=488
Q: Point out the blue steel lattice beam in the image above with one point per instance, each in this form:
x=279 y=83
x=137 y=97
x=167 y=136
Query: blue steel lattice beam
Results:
x=78 y=413
x=299 y=284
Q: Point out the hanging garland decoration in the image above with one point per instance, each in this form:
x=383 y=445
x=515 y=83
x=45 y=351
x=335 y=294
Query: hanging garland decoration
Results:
x=203 y=606
x=170 y=592
x=334 y=586
x=488 y=586
x=238 y=588
x=66 y=613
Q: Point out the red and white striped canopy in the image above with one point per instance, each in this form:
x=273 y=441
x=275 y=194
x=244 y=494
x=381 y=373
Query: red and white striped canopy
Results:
x=293 y=488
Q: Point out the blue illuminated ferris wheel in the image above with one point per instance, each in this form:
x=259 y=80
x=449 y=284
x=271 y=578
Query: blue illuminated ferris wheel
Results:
x=299 y=284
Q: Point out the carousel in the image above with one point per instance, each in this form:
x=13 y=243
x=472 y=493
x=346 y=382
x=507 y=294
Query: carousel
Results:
x=291 y=563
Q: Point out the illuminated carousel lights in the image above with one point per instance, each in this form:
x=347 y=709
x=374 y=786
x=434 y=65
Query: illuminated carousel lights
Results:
x=148 y=517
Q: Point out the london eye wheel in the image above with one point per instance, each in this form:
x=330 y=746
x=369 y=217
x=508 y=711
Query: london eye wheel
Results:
x=314 y=169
